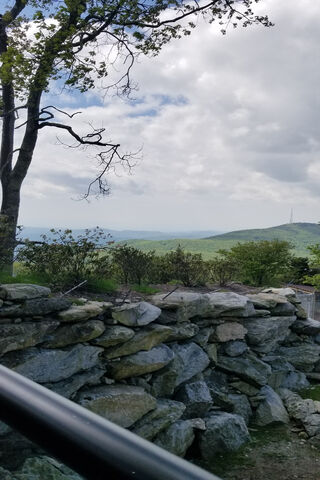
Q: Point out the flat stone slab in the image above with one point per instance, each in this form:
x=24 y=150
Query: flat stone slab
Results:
x=141 y=363
x=75 y=333
x=114 y=335
x=225 y=332
x=303 y=357
x=45 y=366
x=247 y=367
x=23 y=291
x=78 y=313
x=306 y=327
x=265 y=333
x=121 y=404
x=24 y=335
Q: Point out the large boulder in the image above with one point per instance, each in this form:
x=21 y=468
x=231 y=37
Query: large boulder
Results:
x=271 y=409
x=45 y=366
x=24 y=335
x=177 y=438
x=165 y=413
x=265 y=333
x=145 y=339
x=225 y=432
x=196 y=397
x=121 y=404
x=136 y=314
x=247 y=367
x=22 y=291
x=141 y=363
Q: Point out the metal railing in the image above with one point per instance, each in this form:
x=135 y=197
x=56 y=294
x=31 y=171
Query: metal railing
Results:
x=92 y=446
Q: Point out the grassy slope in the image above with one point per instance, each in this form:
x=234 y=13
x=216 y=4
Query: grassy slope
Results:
x=299 y=234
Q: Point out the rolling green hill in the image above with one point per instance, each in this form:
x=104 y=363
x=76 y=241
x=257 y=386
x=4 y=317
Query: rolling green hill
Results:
x=300 y=235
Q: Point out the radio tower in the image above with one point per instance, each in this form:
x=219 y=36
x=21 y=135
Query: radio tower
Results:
x=291 y=216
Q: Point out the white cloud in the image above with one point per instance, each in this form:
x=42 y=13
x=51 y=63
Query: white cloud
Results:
x=229 y=129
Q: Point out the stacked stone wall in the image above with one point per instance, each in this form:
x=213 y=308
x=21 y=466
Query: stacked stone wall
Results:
x=187 y=371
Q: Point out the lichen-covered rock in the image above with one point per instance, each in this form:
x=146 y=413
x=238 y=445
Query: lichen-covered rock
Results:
x=193 y=360
x=145 y=339
x=265 y=333
x=81 y=313
x=196 y=397
x=177 y=438
x=227 y=304
x=22 y=291
x=303 y=357
x=141 y=363
x=75 y=333
x=225 y=432
x=43 y=306
x=230 y=331
x=114 y=335
x=69 y=387
x=40 y=468
x=45 y=366
x=165 y=413
x=306 y=327
x=235 y=348
x=247 y=367
x=121 y=404
x=136 y=314
x=24 y=335
x=183 y=331
x=271 y=409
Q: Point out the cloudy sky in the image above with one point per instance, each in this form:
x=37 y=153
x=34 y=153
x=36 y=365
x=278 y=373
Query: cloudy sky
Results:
x=229 y=130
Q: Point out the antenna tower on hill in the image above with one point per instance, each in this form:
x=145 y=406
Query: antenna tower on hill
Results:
x=291 y=216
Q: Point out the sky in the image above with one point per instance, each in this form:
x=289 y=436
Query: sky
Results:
x=228 y=128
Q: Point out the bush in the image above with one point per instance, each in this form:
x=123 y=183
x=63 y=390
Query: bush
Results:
x=260 y=263
x=63 y=261
x=222 y=270
x=188 y=268
x=132 y=265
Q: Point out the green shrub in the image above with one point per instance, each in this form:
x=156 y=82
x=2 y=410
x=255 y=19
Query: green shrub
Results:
x=188 y=268
x=222 y=270
x=131 y=264
x=62 y=260
x=261 y=263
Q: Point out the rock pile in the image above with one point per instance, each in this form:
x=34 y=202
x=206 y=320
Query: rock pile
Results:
x=185 y=369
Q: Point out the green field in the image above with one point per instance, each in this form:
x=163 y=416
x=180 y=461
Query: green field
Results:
x=300 y=235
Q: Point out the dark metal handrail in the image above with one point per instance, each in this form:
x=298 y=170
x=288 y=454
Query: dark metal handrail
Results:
x=87 y=443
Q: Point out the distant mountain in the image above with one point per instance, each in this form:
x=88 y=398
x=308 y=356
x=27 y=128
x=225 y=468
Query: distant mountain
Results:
x=34 y=233
x=300 y=235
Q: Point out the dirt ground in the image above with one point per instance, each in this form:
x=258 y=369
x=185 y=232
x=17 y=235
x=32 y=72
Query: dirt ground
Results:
x=276 y=453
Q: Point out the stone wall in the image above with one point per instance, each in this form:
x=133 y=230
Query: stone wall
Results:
x=187 y=371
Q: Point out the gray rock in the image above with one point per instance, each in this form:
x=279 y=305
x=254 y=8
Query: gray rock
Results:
x=21 y=291
x=306 y=327
x=235 y=348
x=212 y=352
x=286 y=292
x=303 y=357
x=241 y=406
x=229 y=331
x=225 y=432
x=245 y=388
x=136 y=314
x=177 y=438
x=21 y=336
x=203 y=336
x=75 y=333
x=121 y=404
x=141 y=363
x=44 y=306
x=196 y=397
x=145 y=339
x=46 y=366
x=264 y=334
x=163 y=383
x=114 y=335
x=271 y=409
x=182 y=331
x=180 y=306
x=69 y=387
x=295 y=381
x=165 y=413
x=193 y=361
x=247 y=367
x=81 y=313
x=228 y=304
x=298 y=408
x=267 y=301
x=40 y=468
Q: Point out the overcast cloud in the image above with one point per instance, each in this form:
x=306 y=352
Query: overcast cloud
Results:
x=229 y=127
